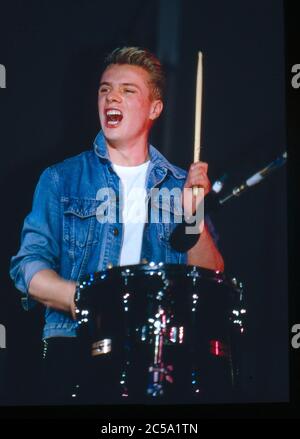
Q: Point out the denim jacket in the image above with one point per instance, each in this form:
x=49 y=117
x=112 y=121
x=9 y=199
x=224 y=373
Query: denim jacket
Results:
x=63 y=232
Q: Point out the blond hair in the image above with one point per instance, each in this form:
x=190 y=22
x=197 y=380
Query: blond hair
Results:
x=143 y=58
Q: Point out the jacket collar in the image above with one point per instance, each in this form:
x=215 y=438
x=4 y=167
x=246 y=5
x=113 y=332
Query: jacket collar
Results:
x=156 y=157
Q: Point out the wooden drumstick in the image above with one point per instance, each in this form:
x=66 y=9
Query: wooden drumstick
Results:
x=198 y=114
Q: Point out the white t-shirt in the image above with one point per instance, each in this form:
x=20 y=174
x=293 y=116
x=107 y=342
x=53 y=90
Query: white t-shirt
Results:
x=133 y=180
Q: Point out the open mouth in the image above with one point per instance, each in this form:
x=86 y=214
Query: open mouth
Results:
x=113 y=117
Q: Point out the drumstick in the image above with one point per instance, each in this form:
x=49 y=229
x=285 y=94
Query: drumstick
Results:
x=198 y=113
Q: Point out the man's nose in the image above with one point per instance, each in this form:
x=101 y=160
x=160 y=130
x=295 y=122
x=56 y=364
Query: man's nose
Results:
x=113 y=96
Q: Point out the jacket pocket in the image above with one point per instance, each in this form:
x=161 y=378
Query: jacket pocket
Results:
x=79 y=221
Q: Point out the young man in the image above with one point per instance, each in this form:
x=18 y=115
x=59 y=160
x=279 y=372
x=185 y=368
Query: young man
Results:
x=64 y=238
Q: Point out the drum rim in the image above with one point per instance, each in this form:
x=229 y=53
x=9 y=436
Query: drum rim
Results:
x=163 y=268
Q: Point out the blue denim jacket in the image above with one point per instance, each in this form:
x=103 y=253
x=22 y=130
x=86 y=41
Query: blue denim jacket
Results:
x=63 y=231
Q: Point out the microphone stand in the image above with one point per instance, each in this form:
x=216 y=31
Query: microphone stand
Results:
x=255 y=178
x=181 y=241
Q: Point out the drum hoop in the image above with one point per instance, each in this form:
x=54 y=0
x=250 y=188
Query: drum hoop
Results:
x=161 y=269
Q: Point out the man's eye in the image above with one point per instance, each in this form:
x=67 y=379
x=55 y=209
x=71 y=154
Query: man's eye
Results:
x=128 y=90
x=103 y=90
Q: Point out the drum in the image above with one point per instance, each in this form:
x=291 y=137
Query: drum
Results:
x=162 y=333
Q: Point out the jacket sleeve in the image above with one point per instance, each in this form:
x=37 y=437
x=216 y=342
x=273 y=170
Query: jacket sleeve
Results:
x=40 y=247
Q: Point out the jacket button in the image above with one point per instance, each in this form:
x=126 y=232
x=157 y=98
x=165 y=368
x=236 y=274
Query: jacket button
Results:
x=116 y=231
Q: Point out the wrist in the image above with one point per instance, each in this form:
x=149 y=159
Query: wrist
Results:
x=71 y=298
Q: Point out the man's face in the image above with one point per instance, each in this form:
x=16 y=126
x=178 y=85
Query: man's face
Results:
x=125 y=106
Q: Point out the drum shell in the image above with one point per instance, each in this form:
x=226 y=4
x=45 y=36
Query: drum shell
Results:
x=200 y=364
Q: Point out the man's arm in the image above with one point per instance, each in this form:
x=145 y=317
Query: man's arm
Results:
x=47 y=287
x=34 y=269
x=205 y=253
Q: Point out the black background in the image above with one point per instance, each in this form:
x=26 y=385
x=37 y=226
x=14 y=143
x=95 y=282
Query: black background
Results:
x=52 y=53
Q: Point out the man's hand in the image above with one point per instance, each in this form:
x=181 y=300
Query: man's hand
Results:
x=197 y=176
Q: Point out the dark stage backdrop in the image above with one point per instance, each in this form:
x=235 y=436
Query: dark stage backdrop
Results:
x=52 y=52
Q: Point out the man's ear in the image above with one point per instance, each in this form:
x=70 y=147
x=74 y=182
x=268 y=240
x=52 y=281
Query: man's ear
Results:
x=156 y=109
